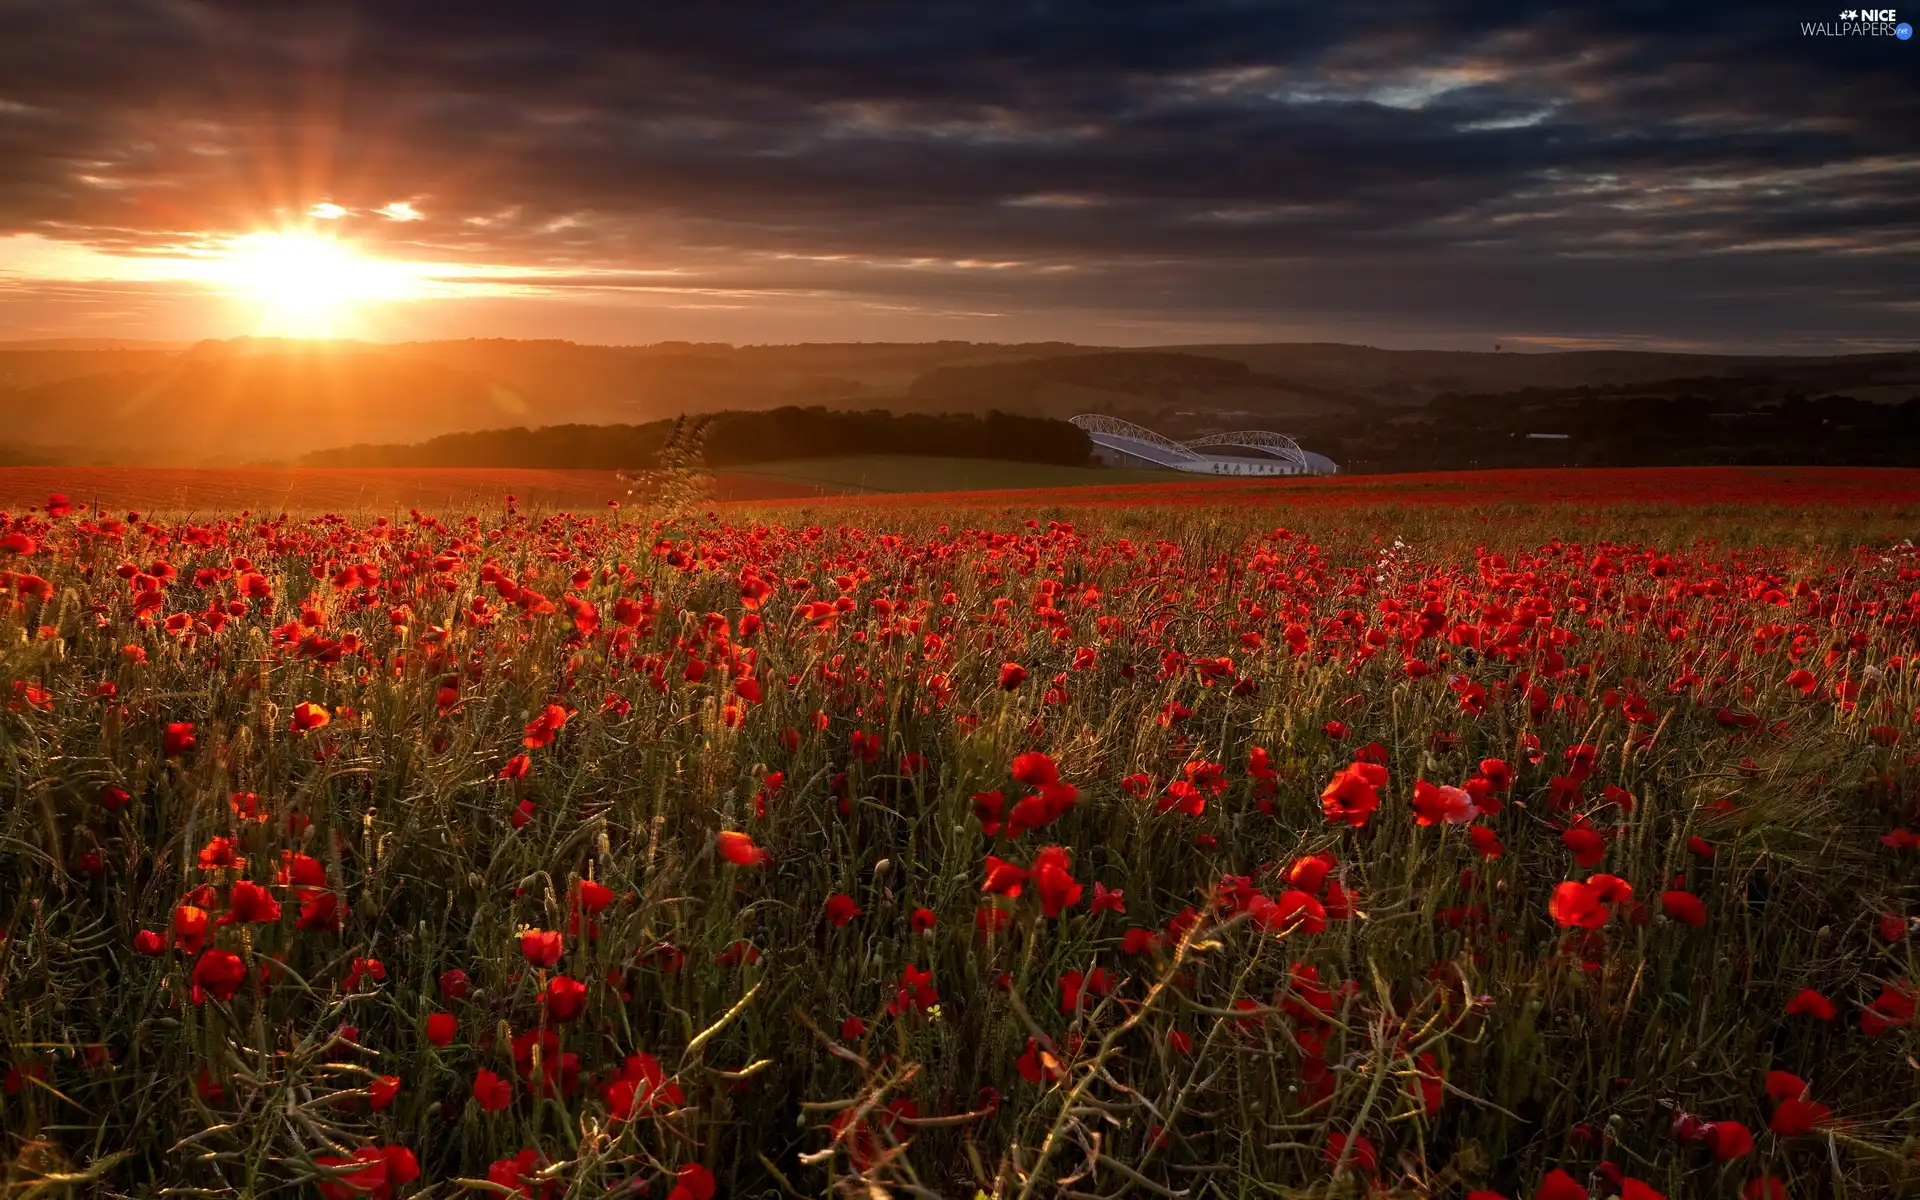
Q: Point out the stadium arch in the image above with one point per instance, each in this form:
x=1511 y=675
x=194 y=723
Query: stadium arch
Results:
x=1125 y=444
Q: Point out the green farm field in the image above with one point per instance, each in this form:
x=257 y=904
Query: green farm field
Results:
x=879 y=473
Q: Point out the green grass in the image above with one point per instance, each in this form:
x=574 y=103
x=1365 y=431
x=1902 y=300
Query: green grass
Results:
x=885 y=473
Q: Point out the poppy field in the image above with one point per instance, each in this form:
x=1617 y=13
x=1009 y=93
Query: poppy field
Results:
x=1186 y=846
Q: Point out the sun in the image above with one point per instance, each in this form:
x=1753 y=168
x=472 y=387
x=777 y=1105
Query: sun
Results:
x=307 y=284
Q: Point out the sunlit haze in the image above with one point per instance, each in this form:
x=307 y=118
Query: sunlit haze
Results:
x=307 y=284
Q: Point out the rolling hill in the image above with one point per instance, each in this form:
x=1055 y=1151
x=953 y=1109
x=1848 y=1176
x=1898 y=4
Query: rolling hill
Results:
x=248 y=400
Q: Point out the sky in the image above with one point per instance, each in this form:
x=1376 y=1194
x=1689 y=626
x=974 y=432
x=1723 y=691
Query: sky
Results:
x=1426 y=173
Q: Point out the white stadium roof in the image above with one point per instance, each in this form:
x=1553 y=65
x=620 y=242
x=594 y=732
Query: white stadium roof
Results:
x=1271 y=453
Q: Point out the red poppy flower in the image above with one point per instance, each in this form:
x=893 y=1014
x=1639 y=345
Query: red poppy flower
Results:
x=1684 y=907
x=1309 y=874
x=519 y=1173
x=544 y=728
x=988 y=808
x=565 y=998
x=1728 y=1139
x=1434 y=805
x=916 y=991
x=1813 y=1004
x=1182 y=796
x=308 y=715
x=1039 y=1062
x=1294 y=912
x=218 y=973
x=1138 y=941
x=1576 y=904
x=640 y=1088
x=1796 y=1116
x=1353 y=793
x=492 y=1092
x=300 y=870
x=1057 y=889
x=921 y=920
x=1003 y=878
x=1558 y=1185
x=441 y=1028
x=541 y=947
x=1042 y=808
x=738 y=849
x=841 y=908
x=1072 y=984
x=250 y=903
x=178 y=740
x=365 y=969
x=190 y=928
x=319 y=913
x=590 y=897
x=1358 y=1152
x=219 y=855
x=1035 y=769
x=381 y=1092
x=378 y=1171
x=692 y=1182
x=1891 y=1009
x=1588 y=846
x=1012 y=675
x=1611 y=889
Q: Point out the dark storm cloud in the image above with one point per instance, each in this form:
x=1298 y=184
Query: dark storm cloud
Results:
x=1700 y=171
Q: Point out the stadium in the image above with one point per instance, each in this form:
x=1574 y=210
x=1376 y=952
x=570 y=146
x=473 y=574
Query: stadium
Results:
x=1244 y=452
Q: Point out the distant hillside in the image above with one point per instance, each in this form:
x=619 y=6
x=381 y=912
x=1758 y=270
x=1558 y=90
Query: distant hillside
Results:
x=222 y=403
x=734 y=439
x=1067 y=384
x=1708 y=421
x=213 y=405
x=1416 y=376
x=29 y=367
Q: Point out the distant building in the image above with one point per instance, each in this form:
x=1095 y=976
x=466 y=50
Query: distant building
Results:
x=1123 y=444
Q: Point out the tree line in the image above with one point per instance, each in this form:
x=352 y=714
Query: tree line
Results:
x=736 y=439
